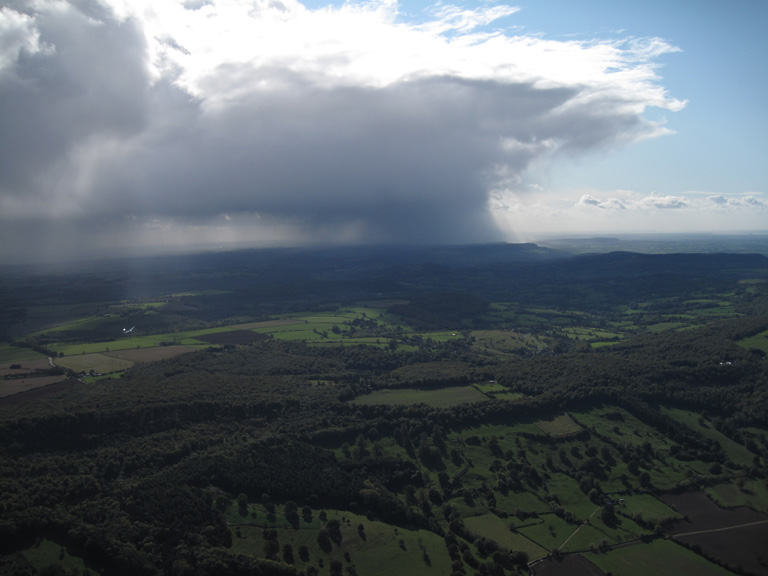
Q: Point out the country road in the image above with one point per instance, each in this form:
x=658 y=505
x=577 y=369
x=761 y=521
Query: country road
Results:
x=720 y=529
x=577 y=529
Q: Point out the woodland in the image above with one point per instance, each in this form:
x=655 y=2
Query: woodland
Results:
x=500 y=409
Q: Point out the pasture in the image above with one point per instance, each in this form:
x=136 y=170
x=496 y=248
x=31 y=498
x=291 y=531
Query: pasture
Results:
x=570 y=496
x=559 y=426
x=151 y=354
x=649 y=507
x=11 y=354
x=749 y=492
x=664 y=326
x=758 y=342
x=96 y=361
x=48 y=557
x=550 y=533
x=504 y=342
x=443 y=398
x=582 y=333
x=735 y=452
x=622 y=427
x=376 y=549
x=493 y=527
x=490 y=387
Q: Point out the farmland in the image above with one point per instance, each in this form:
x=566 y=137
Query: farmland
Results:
x=436 y=398
x=96 y=361
x=361 y=544
x=10 y=387
x=734 y=536
x=571 y=565
x=464 y=412
x=660 y=557
x=559 y=426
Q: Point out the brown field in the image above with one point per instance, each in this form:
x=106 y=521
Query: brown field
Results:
x=703 y=514
x=238 y=337
x=151 y=354
x=26 y=366
x=270 y=324
x=34 y=393
x=570 y=565
x=9 y=387
x=736 y=536
x=743 y=546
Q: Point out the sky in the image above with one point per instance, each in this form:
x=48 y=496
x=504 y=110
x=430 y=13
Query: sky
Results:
x=128 y=125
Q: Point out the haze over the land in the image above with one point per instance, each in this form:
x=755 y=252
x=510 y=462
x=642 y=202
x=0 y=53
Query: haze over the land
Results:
x=129 y=124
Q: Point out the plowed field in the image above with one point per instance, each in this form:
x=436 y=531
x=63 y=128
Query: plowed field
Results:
x=736 y=536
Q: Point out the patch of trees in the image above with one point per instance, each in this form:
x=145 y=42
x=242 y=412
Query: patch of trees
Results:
x=136 y=473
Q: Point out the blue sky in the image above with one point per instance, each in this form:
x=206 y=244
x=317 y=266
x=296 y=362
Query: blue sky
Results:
x=721 y=140
x=130 y=125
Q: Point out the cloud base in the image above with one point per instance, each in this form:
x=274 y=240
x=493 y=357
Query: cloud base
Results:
x=131 y=123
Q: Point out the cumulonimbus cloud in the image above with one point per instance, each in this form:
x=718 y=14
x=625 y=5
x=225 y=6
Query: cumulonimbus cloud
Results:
x=126 y=112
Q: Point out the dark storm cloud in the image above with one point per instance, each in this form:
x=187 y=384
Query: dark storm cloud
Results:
x=411 y=162
x=110 y=145
x=93 y=81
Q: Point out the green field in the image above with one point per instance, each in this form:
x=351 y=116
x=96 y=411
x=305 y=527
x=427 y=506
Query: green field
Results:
x=490 y=387
x=505 y=341
x=550 y=533
x=442 y=398
x=580 y=333
x=736 y=452
x=664 y=326
x=10 y=353
x=622 y=427
x=45 y=554
x=379 y=549
x=325 y=329
x=96 y=361
x=570 y=496
x=587 y=538
x=752 y=493
x=493 y=527
x=648 y=507
x=525 y=501
x=758 y=341
x=559 y=426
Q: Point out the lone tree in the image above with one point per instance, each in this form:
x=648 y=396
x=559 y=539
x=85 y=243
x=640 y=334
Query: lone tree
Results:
x=292 y=514
x=608 y=516
x=242 y=504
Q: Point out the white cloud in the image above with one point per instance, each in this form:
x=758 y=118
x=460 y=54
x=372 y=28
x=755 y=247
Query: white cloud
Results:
x=609 y=204
x=753 y=201
x=665 y=202
x=18 y=35
x=623 y=211
x=588 y=200
x=345 y=119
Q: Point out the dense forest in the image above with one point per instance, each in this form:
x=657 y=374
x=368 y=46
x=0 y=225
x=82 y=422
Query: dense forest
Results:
x=479 y=404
